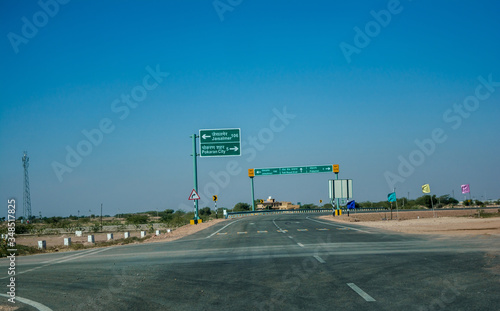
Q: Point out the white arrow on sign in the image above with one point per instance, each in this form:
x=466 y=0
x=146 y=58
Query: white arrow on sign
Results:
x=235 y=149
x=205 y=136
x=194 y=195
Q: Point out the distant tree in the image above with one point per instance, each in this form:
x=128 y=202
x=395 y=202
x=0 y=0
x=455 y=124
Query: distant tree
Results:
x=446 y=200
x=365 y=204
x=137 y=219
x=240 y=207
x=166 y=217
x=205 y=211
x=308 y=206
x=52 y=220
x=425 y=200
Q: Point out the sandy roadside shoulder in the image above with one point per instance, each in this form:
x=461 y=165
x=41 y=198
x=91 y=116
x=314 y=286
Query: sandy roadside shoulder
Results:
x=450 y=226
x=58 y=240
x=183 y=231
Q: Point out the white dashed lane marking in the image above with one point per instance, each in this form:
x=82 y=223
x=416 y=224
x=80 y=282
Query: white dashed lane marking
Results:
x=360 y=292
x=319 y=259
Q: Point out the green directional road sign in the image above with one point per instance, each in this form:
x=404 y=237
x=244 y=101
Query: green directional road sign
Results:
x=220 y=142
x=294 y=170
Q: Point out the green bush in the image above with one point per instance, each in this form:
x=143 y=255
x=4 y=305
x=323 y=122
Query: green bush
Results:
x=95 y=228
x=137 y=219
x=241 y=207
x=24 y=228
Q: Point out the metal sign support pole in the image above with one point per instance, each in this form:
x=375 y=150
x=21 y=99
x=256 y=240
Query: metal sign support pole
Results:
x=253 y=197
x=195 y=175
x=338 y=199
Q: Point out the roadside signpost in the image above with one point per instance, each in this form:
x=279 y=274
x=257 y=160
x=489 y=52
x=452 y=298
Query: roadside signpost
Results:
x=195 y=197
x=214 y=197
x=340 y=189
x=213 y=143
x=220 y=142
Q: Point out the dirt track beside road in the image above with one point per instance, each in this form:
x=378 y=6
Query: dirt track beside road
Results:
x=448 y=222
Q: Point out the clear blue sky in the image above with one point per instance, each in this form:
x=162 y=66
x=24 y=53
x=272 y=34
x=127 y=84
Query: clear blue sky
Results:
x=357 y=100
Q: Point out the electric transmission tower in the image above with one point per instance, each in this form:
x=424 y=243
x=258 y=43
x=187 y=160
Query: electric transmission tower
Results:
x=27 y=196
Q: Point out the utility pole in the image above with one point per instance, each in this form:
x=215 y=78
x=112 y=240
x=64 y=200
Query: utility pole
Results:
x=397 y=211
x=27 y=195
x=101 y=216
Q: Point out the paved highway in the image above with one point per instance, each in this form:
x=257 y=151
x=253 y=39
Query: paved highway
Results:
x=275 y=262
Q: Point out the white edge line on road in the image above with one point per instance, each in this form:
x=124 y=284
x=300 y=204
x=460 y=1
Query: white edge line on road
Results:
x=282 y=231
x=321 y=260
x=32 y=303
x=69 y=256
x=360 y=292
x=83 y=255
x=60 y=260
x=208 y=237
x=326 y=223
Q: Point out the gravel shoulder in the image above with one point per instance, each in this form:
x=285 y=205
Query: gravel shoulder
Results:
x=58 y=240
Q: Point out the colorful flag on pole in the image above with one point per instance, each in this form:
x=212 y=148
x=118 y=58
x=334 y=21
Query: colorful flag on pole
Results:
x=351 y=205
x=391 y=197
x=426 y=188
x=465 y=188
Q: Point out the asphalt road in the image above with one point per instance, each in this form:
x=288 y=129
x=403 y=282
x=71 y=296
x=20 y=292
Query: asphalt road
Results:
x=275 y=262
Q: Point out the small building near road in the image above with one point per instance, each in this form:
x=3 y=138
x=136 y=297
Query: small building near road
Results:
x=272 y=204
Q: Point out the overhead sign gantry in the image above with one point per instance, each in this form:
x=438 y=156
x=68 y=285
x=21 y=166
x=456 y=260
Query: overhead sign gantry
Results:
x=252 y=172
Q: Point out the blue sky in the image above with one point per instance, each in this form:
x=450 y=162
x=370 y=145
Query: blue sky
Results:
x=275 y=69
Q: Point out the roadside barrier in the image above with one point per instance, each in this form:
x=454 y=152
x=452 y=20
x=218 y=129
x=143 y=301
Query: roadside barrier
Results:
x=300 y=211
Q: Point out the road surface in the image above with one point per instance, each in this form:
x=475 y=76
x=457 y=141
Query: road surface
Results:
x=274 y=262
